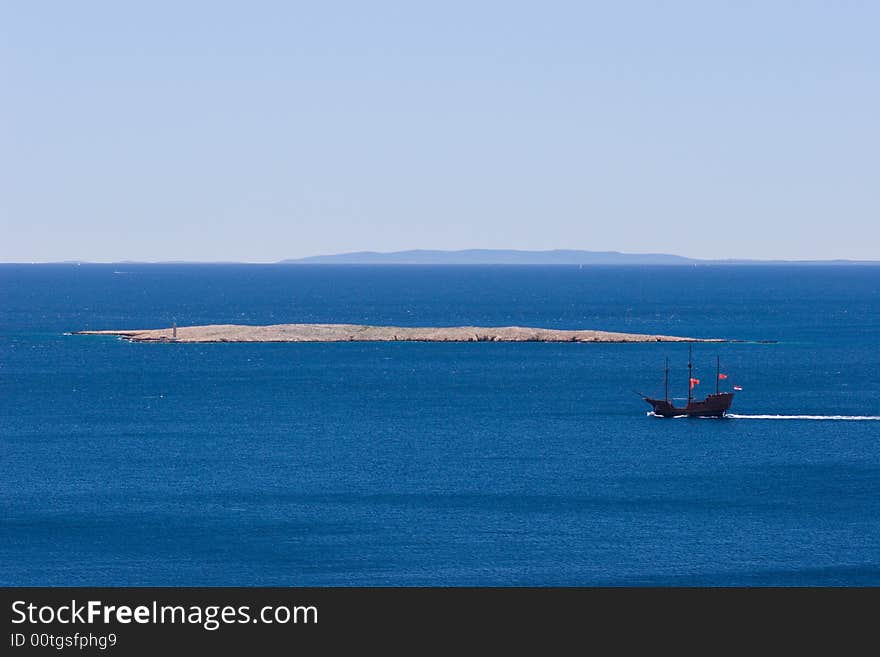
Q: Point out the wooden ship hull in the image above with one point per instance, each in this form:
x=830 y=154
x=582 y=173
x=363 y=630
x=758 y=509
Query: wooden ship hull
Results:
x=712 y=406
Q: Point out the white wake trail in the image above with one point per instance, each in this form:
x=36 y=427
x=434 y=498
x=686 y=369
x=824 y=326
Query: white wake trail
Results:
x=737 y=416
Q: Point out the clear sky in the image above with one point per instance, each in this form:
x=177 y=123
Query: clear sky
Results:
x=257 y=131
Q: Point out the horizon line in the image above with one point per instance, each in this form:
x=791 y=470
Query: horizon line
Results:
x=669 y=258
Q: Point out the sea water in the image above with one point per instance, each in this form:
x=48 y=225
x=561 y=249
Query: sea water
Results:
x=438 y=464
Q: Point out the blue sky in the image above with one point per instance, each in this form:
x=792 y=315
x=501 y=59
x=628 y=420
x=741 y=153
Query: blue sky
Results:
x=257 y=131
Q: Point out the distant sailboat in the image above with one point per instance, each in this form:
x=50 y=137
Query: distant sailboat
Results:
x=715 y=405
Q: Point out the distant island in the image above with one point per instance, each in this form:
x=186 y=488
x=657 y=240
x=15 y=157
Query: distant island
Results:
x=361 y=333
x=482 y=257
x=554 y=257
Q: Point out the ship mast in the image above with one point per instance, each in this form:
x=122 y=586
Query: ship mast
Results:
x=690 y=375
x=717 y=372
x=666 y=380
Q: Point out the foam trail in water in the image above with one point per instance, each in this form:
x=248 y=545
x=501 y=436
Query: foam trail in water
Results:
x=737 y=416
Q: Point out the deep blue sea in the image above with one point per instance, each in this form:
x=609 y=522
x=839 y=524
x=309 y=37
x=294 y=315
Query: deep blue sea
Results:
x=438 y=464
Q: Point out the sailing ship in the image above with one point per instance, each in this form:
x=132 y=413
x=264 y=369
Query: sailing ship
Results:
x=714 y=405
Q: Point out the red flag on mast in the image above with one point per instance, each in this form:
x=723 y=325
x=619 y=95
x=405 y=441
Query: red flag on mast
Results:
x=694 y=382
x=722 y=376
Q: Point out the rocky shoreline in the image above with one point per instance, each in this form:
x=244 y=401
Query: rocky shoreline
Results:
x=361 y=333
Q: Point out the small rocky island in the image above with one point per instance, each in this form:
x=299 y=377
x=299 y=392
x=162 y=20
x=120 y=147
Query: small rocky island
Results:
x=360 y=333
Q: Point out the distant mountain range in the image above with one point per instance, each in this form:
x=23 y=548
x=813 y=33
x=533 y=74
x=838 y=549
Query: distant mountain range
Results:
x=513 y=257
x=491 y=257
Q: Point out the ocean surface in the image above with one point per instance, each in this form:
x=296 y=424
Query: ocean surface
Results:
x=438 y=464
